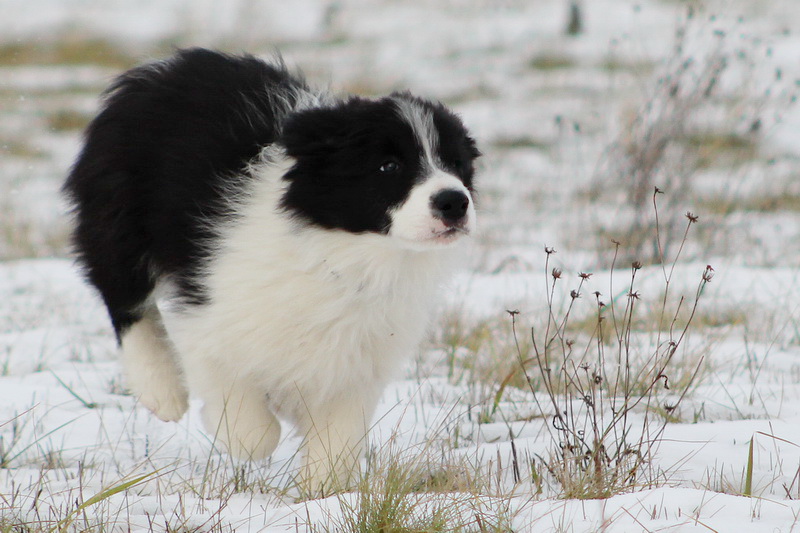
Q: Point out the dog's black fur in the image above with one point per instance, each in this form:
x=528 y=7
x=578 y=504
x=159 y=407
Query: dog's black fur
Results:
x=174 y=140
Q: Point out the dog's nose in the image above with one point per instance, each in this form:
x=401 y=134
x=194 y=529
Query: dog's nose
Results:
x=450 y=206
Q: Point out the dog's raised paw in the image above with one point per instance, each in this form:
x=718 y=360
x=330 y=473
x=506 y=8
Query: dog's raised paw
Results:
x=168 y=405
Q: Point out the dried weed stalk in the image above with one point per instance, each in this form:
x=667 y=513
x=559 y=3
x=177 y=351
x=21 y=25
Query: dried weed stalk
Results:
x=607 y=402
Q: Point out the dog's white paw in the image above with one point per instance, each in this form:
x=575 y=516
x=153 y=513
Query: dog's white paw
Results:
x=169 y=403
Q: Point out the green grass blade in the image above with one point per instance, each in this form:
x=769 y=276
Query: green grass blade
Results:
x=88 y=405
x=99 y=497
x=748 y=478
x=5 y=462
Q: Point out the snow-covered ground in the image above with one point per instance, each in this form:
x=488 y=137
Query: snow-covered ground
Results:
x=562 y=121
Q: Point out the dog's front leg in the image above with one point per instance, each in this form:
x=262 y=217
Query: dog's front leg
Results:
x=236 y=413
x=335 y=439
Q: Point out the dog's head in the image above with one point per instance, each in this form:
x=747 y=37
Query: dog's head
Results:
x=399 y=166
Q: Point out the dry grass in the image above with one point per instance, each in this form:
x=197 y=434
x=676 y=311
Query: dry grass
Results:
x=67 y=120
x=787 y=201
x=20 y=148
x=65 y=51
x=551 y=61
x=399 y=493
x=720 y=149
x=23 y=239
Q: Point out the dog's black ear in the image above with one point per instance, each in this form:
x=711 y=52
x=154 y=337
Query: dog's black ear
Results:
x=313 y=132
x=318 y=131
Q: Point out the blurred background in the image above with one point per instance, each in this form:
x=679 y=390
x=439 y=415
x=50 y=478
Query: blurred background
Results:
x=581 y=107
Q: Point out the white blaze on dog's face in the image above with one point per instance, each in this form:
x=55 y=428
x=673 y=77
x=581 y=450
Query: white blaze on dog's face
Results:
x=439 y=209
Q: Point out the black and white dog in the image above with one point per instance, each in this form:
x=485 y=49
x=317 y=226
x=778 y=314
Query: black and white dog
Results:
x=299 y=237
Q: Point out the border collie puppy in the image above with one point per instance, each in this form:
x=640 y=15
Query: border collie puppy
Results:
x=298 y=238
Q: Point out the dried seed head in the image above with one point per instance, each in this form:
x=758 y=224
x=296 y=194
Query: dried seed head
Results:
x=634 y=295
x=574 y=294
x=599 y=301
x=556 y=273
x=636 y=265
x=549 y=250
x=585 y=275
x=658 y=191
x=708 y=273
x=692 y=217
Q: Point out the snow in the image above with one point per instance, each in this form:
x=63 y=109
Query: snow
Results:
x=69 y=430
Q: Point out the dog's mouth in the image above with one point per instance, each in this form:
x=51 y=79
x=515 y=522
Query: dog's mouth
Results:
x=449 y=234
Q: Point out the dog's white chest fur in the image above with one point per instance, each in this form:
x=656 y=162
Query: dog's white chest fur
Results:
x=312 y=318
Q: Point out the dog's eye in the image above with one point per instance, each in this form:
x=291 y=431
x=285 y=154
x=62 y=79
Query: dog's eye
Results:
x=390 y=165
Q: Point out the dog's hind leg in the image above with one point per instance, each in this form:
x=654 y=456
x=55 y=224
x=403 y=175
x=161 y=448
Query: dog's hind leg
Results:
x=153 y=372
x=148 y=358
x=114 y=244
